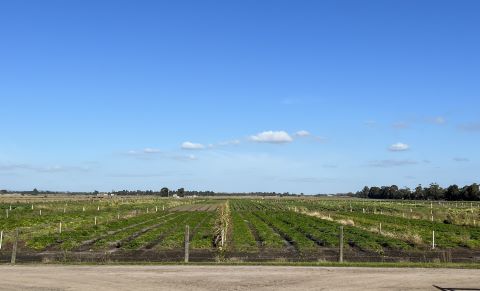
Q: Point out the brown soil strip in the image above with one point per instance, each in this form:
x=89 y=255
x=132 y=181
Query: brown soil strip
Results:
x=161 y=237
x=85 y=245
x=290 y=244
x=317 y=241
x=254 y=232
x=121 y=242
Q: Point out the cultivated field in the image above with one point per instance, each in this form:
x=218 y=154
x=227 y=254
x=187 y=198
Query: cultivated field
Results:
x=131 y=229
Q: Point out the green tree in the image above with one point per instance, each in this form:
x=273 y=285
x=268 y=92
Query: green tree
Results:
x=452 y=193
x=164 y=192
x=181 y=192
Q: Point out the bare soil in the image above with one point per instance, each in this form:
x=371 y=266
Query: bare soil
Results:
x=49 y=277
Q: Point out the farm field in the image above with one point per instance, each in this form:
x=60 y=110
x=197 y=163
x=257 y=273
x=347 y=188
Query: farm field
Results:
x=230 y=229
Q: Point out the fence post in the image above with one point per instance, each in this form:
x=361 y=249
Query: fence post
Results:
x=340 y=257
x=187 y=242
x=14 y=248
x=1 y=239
x=223 y=236
x=433 y=239
x=60 y=227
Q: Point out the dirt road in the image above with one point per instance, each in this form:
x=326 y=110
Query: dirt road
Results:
x=57 y=277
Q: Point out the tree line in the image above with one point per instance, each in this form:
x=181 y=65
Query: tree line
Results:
x=163 y=192
x=432 y=192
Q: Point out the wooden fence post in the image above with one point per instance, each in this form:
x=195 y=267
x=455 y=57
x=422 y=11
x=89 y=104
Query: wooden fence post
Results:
x=433 y=239
x=1 y=239
x=187 y=243
x=340 y=257
x=14 y=248
x=223 y=237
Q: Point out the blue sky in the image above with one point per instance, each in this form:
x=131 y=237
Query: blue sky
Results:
x=298 y=96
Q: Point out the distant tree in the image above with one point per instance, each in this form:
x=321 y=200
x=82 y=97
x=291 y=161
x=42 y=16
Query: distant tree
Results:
x=404 y=193
x=181 y=192
x=364 y=192
x=95 y=192
x=419 y=194
x=35 y=191
x=434 y=192
x=472 y=192
x=164 y=192
x=375 y=193
x=3 y=191
x=452 y=193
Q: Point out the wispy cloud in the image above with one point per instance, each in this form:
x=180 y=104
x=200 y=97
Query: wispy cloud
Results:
x=310 y=180
x=151 y=151
x=461 y=160
x=370 y=123
x=440 y=120
x=185 y=157
x=399 y=147
x=44 y=169
x=272 y=137
x=138 y=175
x=12 y=167
x=400 y=125
x=302 y=133
x=192 y=146
x=470 y=127
x=330 y=166
x=392 y=163
x=229 y=142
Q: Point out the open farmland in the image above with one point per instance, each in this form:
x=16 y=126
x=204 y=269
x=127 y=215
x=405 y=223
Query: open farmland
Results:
x=127 y=229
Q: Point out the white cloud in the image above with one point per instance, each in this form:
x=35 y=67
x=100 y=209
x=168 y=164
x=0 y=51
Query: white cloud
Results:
x=399 y=147
x=44 y=169
x=272 y=137
x=302 y=133
x=192 y=146
x=151 y=151
x=185 y=158
x=439 y=120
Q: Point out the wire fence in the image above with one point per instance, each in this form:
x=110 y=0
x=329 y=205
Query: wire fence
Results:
x=184 y=247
